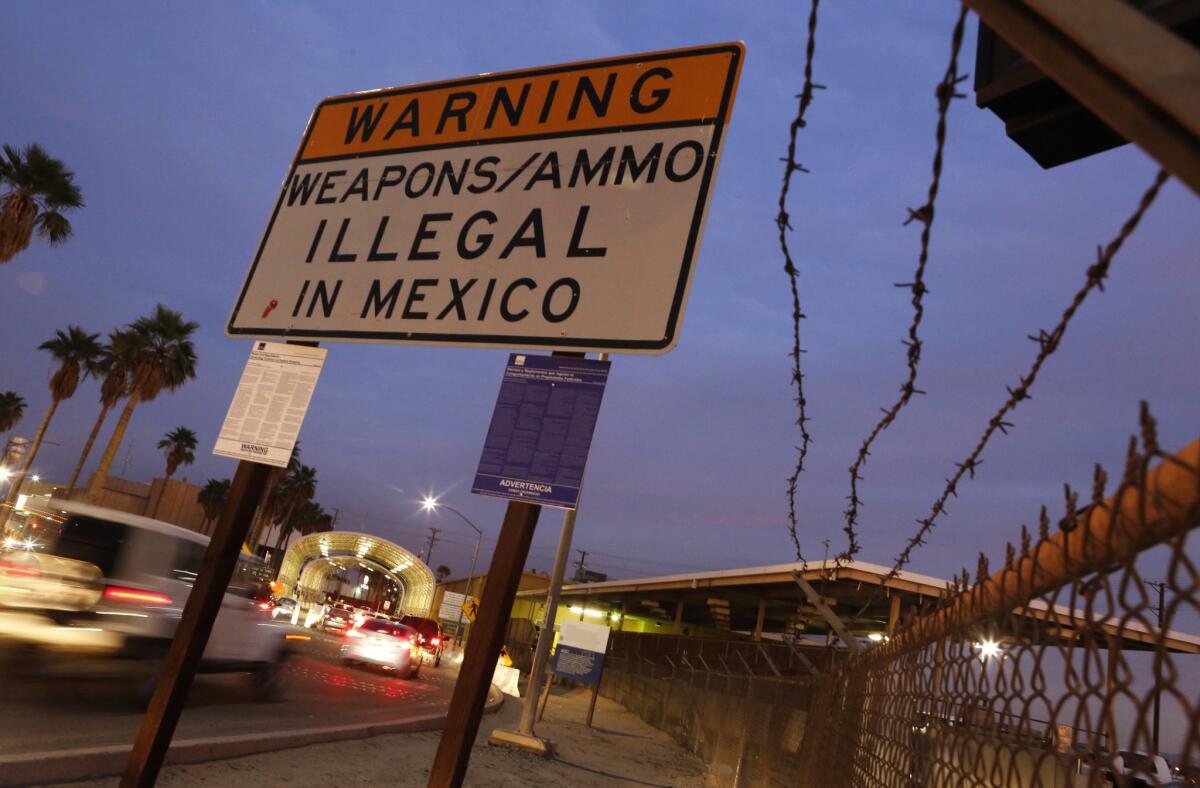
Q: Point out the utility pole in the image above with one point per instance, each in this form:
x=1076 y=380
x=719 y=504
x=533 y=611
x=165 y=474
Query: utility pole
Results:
x=579 y=564
x=336 y=514
x=433 y=532
x=1161 y=587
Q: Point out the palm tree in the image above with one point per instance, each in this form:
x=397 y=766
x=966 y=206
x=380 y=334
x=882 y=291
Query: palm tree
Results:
x=297 y=487
x=442 y=572
x=116 y=365
x=308 y=518
x=269 y=506
x=162 y=357
x=37 y=189
x=179 y=445
x=12 y=408
x=212 y=498
x=77 y=353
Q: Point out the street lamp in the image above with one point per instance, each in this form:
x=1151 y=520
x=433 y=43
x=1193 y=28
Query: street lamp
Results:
x=431 y=504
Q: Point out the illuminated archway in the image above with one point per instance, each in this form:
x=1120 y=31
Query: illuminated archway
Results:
x=311 y=559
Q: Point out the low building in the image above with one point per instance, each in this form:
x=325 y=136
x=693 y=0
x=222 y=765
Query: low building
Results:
x=174 y=501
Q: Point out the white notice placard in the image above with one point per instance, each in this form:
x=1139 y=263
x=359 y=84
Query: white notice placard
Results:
x=451 y=607
x=581 y=634
x=264 y=419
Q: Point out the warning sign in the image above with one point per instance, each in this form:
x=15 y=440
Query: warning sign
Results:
x=559 y=207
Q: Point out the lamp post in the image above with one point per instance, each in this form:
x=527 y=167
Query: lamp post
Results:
x=432 y=504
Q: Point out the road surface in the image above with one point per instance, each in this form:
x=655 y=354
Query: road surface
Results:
x=48 y=716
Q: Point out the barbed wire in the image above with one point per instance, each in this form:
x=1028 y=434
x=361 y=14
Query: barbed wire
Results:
x=783 y=221
x=947 y=90
x=1048 y=342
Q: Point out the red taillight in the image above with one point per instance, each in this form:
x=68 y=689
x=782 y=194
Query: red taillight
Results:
x=120 y=594
x=20 y=570
x=435 y=642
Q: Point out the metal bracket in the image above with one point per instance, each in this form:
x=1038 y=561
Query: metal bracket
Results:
x=803 y=659
x=1134 y=74
x=827 y=613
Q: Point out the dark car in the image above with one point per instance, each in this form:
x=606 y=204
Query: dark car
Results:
x=431 y=635
x=337 y=619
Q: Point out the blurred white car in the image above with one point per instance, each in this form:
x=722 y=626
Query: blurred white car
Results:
x=385 y=644
x=94 y=591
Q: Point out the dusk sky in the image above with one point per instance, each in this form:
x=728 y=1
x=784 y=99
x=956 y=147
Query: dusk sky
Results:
x=180 y=122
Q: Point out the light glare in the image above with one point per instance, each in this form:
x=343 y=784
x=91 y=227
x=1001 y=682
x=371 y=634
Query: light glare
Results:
x=988 y=649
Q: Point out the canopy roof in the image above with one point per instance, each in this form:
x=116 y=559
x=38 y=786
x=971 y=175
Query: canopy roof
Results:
x=310 y=560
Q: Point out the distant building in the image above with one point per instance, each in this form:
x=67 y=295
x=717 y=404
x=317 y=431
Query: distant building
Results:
x=583 y=575
x=174 y=501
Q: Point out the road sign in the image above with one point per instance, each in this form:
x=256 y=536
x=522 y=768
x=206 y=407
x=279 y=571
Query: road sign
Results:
x=579 y=654
x=263 y=421
x=558 y=207
x=470 y=608
x=537 y=444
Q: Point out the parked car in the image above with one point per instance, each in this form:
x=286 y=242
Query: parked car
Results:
x=430 y=632
x=1140 y=769
x=100 y=592
x=384 y=644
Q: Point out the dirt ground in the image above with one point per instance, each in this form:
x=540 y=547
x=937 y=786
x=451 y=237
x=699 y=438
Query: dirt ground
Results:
x=620 y=750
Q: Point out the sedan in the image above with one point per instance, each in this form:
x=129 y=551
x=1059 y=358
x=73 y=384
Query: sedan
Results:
x=384 y=644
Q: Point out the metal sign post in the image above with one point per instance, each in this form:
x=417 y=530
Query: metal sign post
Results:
x=191 y=637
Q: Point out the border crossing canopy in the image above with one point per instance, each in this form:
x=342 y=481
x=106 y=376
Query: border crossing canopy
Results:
x=558 y=208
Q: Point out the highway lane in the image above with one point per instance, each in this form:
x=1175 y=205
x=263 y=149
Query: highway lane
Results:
x=54 y=715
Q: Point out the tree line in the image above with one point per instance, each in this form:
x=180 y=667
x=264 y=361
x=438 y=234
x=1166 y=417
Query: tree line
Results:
x=138 y=362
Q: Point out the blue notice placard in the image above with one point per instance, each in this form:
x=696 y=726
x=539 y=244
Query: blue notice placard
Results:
x=541 y=431
x=578 y=664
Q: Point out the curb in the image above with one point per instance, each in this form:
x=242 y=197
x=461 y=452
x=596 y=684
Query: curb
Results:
x=40 y=768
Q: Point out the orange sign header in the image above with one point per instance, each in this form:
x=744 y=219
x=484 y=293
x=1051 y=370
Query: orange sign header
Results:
x=676 y=87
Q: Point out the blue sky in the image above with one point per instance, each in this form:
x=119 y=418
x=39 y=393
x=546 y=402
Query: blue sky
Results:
x=180 y=122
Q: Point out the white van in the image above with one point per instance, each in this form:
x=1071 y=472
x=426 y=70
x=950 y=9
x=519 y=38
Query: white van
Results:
x=92 y=591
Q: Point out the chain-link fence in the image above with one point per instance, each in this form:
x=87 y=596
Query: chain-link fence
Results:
x=1070 y=666
x=747 y=727
x=1073 y=665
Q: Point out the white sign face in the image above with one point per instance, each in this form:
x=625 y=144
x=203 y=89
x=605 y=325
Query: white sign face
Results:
x=581 y=634
x=559 y=207
x=268 y=407
x=451 y=607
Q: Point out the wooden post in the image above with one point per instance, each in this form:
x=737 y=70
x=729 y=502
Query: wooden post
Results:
x=762 y=617
x=191 y=636
x=893 y=615
x=483 y=649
